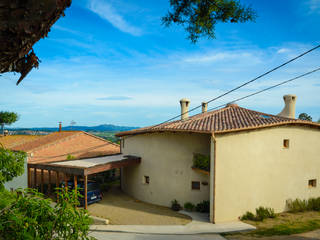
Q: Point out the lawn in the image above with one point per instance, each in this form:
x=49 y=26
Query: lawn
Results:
x=283 y=224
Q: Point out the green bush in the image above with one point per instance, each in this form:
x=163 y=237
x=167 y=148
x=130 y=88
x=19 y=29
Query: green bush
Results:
x=175 y=205
x=261 y=214
x=28 y=215
x=189 y=206
x=203 y=207
x=298 y=205
x=201 y=161
x=248 y=216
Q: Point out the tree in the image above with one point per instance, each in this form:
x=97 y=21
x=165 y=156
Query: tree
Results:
x=199 y=17
x=11 y=165
x=304 y=116
x=319 y=120
x=7 y=118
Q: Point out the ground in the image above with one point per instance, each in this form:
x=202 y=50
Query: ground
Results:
x=292 y=226
x=122 y=209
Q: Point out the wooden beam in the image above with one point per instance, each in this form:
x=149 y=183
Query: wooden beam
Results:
x=49 y=180
x=85 y=192
x=41 y=181
x=60 y=168
x=75 y=182
x=66 y=182
x=29 y=177
x=57 y=183
x=35 y=177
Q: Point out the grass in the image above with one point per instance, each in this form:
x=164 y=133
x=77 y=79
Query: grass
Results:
x=283 y=224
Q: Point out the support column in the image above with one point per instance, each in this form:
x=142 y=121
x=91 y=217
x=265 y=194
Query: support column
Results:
x=49 y=180
x=85 y=192
x=57 y=183
x=29 y=177
x=35 y=177
x=66 y=182
x=75 y=183
x=41 y=181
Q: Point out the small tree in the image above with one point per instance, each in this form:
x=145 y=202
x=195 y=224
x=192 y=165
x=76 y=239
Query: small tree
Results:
x=304 y=116
x=11 y=165
x=7 y=118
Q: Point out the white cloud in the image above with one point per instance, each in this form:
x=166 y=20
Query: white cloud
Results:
x=107 y=12
x=314 y=6
x=283 y=50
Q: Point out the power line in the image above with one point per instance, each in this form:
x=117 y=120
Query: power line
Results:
x=268 y=88
x=244 y=84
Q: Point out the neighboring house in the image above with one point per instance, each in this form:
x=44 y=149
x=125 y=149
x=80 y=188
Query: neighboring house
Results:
x=59 y=146
x=256 y=159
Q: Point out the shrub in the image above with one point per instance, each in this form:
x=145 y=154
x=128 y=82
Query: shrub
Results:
x=298 y=205
x=175 y=206
x=70 y=157
x=203 y=207
x=201 y=161
x=261 y=214
x=248 y=216
x=28 y=215
x=189 y=206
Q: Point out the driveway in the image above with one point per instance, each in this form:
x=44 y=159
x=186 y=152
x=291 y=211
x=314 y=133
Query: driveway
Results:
x=122 y=209
x=132 y=236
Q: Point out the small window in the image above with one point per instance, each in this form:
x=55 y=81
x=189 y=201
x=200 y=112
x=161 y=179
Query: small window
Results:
x=146 y=179
x=286 y=143
x=195 y=185
x=312 y=183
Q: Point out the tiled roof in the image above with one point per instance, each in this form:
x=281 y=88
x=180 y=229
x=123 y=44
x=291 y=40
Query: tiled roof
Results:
x=45 y=140
x=12 y=141
x=227 y=119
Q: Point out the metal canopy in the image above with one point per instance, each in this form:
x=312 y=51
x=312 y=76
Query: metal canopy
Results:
x=88 y=166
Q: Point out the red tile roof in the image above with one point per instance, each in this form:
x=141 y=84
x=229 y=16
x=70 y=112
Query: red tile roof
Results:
x=227 y=119
x=12 y=141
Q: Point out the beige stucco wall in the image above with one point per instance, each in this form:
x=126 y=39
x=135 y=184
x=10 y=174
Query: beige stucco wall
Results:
x=254 y=169
x=167 y=160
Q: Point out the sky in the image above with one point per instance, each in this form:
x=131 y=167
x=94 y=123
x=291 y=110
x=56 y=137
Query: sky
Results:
x=113 y=62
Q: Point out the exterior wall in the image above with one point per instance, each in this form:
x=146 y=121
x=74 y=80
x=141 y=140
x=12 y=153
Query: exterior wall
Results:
x=19 y=182
x=167 y=159
x=254 y=169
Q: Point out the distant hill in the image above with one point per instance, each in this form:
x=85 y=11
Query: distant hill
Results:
x=99 y=128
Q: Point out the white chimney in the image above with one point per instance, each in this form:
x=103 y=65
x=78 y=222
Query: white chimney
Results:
x=204 y=107
x=184 y=103
x=289 y=110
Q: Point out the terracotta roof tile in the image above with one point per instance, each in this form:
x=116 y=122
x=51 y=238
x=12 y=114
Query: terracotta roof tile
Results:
x=12 y=141
x=227 y=119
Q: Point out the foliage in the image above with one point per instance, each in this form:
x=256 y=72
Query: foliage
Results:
x=199 y=17
x=70 y=157
x=201 y=161
x=298 y=205
x=175 y=205
x=189 y=206
x=318 y=120
x=11 y=165
x=29 y=216
x=305 y=116
x=203 y=207
x=108 y=135
x=7 y=118
x=261 y=214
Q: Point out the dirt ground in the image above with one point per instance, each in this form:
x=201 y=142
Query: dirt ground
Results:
x=122 y=209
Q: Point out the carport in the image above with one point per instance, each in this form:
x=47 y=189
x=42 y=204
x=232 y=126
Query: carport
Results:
x=79 y=168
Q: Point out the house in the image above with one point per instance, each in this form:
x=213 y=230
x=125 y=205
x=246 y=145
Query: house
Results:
x=256 y=159
x=56 y=147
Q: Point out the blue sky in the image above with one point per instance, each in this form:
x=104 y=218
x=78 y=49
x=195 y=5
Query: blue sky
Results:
x=113 y=62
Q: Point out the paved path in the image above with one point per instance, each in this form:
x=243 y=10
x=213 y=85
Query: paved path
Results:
x=133 y=236
x=199 y=225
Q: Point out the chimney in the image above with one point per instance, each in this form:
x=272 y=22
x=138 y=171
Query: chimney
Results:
x=289 y=110
x=184 y=103
x=204 y=107
x=60 y=126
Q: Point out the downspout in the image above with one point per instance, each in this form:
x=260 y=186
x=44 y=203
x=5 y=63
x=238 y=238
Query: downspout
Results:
x=213 y=159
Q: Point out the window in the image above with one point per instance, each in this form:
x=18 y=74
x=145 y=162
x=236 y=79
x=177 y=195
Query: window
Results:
x=146 y=179
x=195 y=185
x=286 y=143
x=312 y=183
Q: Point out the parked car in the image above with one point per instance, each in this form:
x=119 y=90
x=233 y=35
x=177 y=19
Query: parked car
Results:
x=94 y=193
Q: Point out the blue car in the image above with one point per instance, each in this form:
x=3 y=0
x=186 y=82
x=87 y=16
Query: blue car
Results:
x=94 y=193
